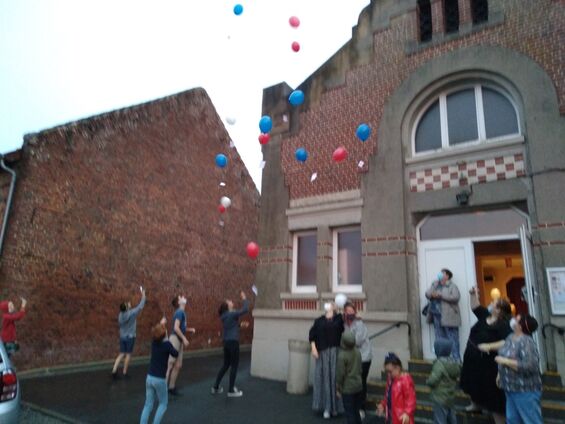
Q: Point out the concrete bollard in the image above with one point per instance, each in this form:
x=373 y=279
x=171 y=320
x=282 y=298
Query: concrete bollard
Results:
x=298 y=367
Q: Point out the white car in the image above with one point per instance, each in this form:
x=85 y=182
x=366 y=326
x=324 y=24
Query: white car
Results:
x=9 y=390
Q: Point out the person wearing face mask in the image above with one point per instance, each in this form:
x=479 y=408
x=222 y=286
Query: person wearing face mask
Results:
x=443 y=311
x=478 y=375
x=399 y=404
x=519 y=373
x=325 y=339
x=362 y=342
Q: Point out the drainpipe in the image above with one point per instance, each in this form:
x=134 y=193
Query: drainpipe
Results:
x=8 y=201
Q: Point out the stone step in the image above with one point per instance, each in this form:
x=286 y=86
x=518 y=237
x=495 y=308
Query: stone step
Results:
x=378 y=387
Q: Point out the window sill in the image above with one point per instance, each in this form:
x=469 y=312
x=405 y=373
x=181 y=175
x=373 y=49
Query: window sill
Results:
x=462 y=151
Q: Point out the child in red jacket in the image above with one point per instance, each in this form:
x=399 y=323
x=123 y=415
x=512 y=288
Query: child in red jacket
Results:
x=399 y=404
x=9 y=318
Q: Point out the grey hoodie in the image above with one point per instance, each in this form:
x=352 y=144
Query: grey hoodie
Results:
x=128 y=320
x=359 y=330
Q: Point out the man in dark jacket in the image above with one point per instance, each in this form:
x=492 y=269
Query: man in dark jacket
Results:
x=349 y=384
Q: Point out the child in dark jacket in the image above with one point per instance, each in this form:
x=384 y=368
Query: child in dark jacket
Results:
x=349 y=384
x=443 y=382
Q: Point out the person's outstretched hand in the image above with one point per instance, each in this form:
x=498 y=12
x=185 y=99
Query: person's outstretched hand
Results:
x=24 y=303
x=242 y=295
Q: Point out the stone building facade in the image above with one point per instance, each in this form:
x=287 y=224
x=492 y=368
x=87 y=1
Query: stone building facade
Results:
x=109 y=203
x=463 y=169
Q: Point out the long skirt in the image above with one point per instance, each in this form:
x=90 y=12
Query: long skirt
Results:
x=324 y=383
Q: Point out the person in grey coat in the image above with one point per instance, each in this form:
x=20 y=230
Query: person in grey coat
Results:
x=127 y=320
x=443 y=311
x=362 y=342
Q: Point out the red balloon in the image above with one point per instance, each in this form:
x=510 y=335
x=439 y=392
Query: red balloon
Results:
x=264 y=138
x=296 y=46
x=294 y=22
x=339 y=154
x=221 y=208
x=252 y=250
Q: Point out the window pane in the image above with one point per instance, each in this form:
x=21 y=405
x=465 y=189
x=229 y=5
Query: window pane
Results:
x=306 y=266
x=428 y=134
x=479 y=11
x=451 y=14
x=349 y=258
x=425 y=17
x=500 y=117
x=462 y=117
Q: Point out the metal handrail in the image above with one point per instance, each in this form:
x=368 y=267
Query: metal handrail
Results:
x=395 y=325
x=560 y=330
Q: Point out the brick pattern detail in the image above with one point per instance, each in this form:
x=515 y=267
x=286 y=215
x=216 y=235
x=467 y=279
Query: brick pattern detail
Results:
x=529 y=28
x=300 y=305
x=120 y=200
x=546 y=225
x=273 y=255
x=476 y=172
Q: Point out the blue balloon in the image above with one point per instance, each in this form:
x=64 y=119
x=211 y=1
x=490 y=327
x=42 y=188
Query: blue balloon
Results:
x=266 y=124
x=363 y=132
x=301 y=154
x=238 y=9
x=296 y=98
x=221 y=160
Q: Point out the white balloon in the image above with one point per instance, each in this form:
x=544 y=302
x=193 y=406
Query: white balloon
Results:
x=231 y=120
x=340 y=300
x=225 y=201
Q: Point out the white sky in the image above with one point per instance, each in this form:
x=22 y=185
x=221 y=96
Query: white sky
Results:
x=62 y=60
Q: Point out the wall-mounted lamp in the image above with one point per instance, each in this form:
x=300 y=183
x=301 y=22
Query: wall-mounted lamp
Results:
x=463 y=197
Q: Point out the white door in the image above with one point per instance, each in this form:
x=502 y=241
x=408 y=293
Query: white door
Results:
x=532 y=290
x=458 y=256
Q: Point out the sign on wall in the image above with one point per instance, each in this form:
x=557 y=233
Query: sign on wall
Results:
x=556 y=282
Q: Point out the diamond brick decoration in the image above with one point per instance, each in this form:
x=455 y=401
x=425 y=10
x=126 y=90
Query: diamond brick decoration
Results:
x=473 y=172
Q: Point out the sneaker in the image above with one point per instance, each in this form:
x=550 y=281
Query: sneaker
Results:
x=362 y=414
x=217 y=391
x=326 y=415
x=473 y=407
x=235 y=393
x=174 y=392
x=115 y=376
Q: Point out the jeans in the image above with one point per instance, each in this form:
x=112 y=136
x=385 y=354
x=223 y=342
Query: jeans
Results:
x=523 y=408
x=231 y=360
x=449 y=333
x=366 y=366
x=155 y=386
x=444 y=415
x=352 y=405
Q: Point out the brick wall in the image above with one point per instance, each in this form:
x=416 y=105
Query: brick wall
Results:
x=534 y=29
x=120 y=200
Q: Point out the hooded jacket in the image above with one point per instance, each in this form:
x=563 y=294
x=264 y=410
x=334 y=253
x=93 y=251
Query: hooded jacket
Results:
x=444 y=375
x=403 y=398
x=348 y=374
x=9 y=323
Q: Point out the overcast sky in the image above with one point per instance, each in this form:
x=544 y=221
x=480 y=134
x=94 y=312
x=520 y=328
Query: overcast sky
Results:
x=62 y=60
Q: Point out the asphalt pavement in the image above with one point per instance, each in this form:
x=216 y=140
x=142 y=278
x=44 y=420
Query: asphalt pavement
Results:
x=93 y=397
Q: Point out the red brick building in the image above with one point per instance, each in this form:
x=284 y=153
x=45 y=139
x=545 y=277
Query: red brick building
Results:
x=109 y=203
x=463 y=169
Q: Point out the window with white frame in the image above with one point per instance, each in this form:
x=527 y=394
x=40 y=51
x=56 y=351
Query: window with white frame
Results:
x=468 y=115
x=304 y=258
x=347 y=268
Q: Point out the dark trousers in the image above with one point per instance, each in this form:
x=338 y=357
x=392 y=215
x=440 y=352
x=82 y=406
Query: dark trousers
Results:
x=231 y=360
x=352 y=405
x=366 y=366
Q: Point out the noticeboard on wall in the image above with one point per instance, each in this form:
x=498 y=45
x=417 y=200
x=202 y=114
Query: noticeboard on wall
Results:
x=556 y=282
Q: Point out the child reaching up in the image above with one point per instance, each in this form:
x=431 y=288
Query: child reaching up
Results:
x=443 y=382
x=9 y=318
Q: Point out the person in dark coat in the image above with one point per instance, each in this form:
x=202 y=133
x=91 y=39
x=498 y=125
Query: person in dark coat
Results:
x=325 y=339
x=478 y=375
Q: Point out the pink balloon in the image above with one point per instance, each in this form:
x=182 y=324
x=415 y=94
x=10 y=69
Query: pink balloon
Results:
x=339 y=154
x=294 y=22
x=296 y=46
x=252 y=250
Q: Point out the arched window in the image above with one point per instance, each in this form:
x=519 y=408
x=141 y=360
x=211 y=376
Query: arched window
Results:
x=468 y=115
x=451 y=15
x=425 y=19
x=479 y=11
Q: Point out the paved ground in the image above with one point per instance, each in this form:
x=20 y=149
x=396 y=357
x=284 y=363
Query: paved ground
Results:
x=92 y=397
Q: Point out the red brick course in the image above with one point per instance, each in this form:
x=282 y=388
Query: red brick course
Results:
x=120 y=200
